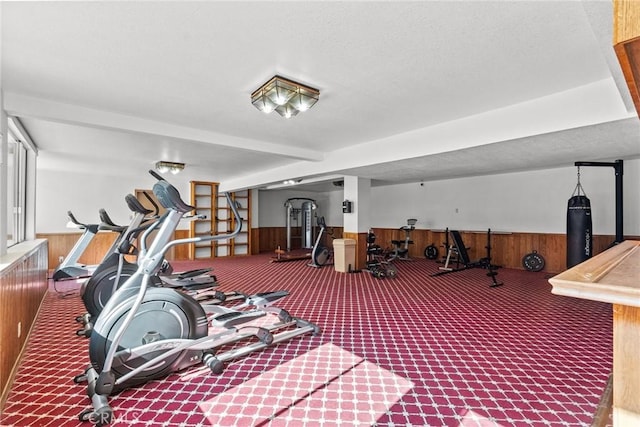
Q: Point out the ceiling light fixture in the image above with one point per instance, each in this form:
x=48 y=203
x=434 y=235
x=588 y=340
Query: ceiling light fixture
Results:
x=173 y=167
x=292 y=181
x=285 y=96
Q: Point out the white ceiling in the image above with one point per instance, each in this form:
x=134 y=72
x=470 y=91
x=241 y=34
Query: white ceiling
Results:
x=410 y=91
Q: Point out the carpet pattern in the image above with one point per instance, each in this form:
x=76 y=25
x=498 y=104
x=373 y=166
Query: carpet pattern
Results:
x=412 y=351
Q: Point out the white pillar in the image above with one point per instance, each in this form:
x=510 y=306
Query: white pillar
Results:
x=358 y=191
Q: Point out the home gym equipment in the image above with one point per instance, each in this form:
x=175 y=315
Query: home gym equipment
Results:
x=579 y=226
x=303 y=216
x=320 y=255
x=115 y=269
x=70 y=268
x=146 y=333
x=376 y=263
x=579 y=220
x=458 y=250
x=431 y=252
x=284 y=256
x=533 y=261
x=400 y=249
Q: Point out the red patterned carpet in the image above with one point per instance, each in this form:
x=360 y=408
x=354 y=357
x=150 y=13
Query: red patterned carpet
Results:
x=413 y=351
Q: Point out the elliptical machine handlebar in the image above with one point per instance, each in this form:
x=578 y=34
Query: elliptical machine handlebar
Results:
x=169 y=197
x=74 y=223
x=136 y=207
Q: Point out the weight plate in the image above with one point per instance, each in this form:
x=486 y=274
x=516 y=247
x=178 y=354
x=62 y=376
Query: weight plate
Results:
x=533 y=261
x=431 y=252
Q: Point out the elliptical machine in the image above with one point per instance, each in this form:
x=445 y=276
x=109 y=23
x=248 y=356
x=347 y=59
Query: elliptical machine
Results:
x=145 y=333
x=115 y=269
x=70 y=268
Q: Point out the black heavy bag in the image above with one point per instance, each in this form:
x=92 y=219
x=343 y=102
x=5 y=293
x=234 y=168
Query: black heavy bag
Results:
x=578 y=228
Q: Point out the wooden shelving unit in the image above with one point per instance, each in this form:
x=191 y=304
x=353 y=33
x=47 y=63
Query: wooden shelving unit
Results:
x=203 y=197
x=219 y=220
x=242 y=242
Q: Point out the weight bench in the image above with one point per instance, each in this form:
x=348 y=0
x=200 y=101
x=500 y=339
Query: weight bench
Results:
x=459 y=250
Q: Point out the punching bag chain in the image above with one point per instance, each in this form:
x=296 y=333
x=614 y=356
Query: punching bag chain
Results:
x=578 y=189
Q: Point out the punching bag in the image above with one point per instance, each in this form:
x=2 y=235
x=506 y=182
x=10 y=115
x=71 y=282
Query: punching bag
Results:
x=579 y=227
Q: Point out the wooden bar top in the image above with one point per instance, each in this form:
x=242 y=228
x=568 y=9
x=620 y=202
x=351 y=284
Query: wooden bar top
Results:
x=612 y=276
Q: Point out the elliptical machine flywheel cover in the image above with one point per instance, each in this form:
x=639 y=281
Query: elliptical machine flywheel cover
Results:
x=533 y=261
x=165 y=313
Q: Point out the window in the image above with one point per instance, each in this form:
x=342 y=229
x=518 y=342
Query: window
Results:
x=16 y=185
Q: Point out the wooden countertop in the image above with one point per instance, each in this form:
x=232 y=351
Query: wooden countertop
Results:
x=612 y=276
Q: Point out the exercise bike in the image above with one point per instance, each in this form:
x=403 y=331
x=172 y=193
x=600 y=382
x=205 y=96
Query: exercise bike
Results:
x=401 y=247
x=320 y=254
x=145 y=333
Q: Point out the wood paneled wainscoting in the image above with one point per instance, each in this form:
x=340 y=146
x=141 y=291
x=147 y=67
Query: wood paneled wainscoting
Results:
x=61 y=243
x=508 y=248
x=23 y=285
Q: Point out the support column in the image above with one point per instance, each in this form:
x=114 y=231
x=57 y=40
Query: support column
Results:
x=357 y=223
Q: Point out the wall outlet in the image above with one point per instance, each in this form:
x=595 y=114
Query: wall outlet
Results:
x=60 y=259
x=19 y=329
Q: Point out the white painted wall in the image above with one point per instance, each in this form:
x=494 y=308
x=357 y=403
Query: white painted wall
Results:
x=533 y=201
x=273 y=213
x=524 y=202
x=84 y=194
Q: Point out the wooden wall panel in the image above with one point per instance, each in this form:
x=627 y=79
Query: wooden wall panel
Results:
x=61 y=243
x=23 y=285
x=361 y=248
x=270 y=238
x=255 y=241
x=180 y=252
x=507 y=249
